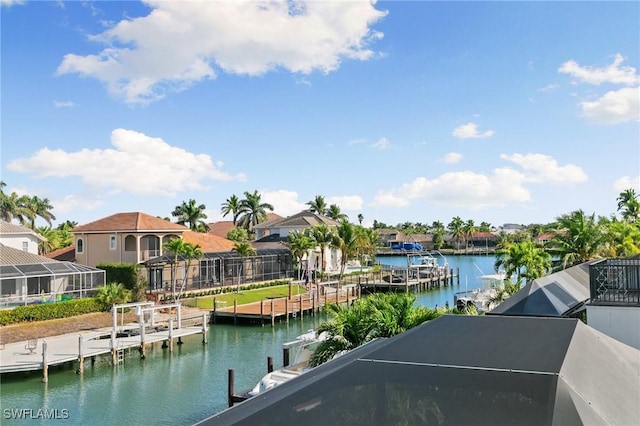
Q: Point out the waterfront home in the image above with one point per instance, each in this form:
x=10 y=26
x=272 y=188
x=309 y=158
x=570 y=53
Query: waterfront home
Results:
x=278 y=230
x=27 y=278
x=222 y=227
x=123 y=238
x=459 y=370
x=19 y=237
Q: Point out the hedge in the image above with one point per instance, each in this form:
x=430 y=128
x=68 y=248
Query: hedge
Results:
x=49 y=311
x=125 y=273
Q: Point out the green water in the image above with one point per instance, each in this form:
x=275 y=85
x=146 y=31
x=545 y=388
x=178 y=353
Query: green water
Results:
x=182 y=387
x=166 y=388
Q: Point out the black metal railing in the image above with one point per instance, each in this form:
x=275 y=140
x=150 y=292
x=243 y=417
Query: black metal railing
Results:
x=615 y=282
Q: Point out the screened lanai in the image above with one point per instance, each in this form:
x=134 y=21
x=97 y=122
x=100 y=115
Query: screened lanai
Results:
x=220 y=268
x=29 y=279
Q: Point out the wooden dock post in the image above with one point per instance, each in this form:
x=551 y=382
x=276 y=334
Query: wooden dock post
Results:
x=273 y=317
x=235 y=311
x=286 y=309
x=143 y=349
x=269 y=364
x=45 y=365
x=170 y=334
x=80 y=355
x=230 y=387
x=113 y=346
x=313 y=303
x=179 y=317
x=214 y=310
x=204 y=328
x=261 y=312
x=301 y=310
x=458 y=275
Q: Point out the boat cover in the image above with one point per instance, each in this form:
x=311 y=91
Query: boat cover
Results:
x=458 y=370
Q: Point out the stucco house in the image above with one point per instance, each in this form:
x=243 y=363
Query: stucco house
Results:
x=132 y=237
x=277 y=232
x=19 y=237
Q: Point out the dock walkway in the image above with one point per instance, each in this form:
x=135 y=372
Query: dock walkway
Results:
x=56 y=350
x=268 y=311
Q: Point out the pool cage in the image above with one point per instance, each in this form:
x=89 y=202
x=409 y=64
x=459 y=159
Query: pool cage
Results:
x=219 y=269
x=47 y=282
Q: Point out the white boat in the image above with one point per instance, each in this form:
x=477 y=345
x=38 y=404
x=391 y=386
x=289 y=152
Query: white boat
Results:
x=300 y=351
x=425 y=266
x=481 y=298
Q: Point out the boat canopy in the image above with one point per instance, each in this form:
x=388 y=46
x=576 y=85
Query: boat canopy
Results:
x=407 y=246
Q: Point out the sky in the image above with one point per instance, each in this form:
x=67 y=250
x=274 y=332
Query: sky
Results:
x=420 y=111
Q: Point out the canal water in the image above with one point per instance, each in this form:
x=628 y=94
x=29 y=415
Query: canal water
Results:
x=185 y=386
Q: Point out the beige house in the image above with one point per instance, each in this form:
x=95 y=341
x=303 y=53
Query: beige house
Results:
x=123 y=238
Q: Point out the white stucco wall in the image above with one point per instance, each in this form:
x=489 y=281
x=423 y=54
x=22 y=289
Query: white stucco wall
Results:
x=15 y=241
x=620 y=322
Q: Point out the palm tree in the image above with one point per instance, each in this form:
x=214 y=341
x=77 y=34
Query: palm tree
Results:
x=437 y=230
x=39 y=207
x=469 y=228
x=245 y=250
x=622 y=239
x=14 y=206
x=50 y=242
x=175 y=246
x=318 y=205
x=629 y=205
x=67 y=225
x=334 y=213
x=190 y=252
x=299 y=244
x=323 y=236
x=395 y=313
x=360 y=218
x=232 y=205
x=192 y=214
x=112 y=293
x=456 y=227
x=367 y=242
x=252 y=210
x=346 y=240
x=577 y=239
x=524 y=259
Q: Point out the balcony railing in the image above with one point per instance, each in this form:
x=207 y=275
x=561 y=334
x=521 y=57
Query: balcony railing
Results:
x=615 y=282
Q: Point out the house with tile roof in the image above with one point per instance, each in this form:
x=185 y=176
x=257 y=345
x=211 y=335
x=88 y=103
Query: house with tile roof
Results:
x=274 y=233
x=221 y=228
x=132 y=237
x=19 y=237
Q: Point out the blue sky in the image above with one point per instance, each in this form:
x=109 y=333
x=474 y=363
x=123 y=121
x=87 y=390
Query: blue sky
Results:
x=505 y=112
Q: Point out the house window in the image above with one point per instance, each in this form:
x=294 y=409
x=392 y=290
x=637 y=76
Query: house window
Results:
x=112 y=242
x=25 y=246
x=80 y=246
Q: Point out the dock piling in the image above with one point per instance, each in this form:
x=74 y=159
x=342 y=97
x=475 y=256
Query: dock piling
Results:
x=269 y=364
x=230 y=386
x=45 y=365
x=80 y=355
x=204 y=329
x=170 y=334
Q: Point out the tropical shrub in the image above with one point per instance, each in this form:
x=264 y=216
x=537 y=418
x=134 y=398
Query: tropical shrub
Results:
x=111 y=294
x=49 y=311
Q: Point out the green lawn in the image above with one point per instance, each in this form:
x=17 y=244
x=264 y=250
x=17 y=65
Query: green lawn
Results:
x=247 y=296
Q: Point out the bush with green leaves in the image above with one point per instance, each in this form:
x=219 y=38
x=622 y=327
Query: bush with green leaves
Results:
x=111 y=294
x=49 y=311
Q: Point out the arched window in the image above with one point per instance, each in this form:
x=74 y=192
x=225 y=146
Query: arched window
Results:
x=80 y=245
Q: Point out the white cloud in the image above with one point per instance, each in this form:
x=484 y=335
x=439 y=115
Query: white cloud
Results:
x=63 y=104
x=451 y=158
x=73 y=203
x=540 y=168
x=548 y=88
x=470 y=131
x=181 y=43
x=356 y=141
x=626 y=182
x=467 y=189
x=464 y=189
x=613 y=73
x=284 y=202
x=9 y=3
x=139 y=164
x=346 y=202
x=617 y=106
x=382 y=144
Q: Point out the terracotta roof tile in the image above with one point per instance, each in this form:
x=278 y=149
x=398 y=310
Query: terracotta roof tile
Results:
x=221 y=228
x=208 y=243
x=132 y=222
x=67 y=254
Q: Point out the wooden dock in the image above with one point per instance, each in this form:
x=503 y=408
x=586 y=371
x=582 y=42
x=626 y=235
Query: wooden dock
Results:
x=408 y=279
x=68 y=348
x=271 y=310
